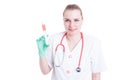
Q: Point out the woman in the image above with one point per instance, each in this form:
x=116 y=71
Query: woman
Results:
x=71 y=54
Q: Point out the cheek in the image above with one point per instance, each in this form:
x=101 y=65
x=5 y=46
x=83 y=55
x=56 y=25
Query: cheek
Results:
x=79 y=24
x=66 y=25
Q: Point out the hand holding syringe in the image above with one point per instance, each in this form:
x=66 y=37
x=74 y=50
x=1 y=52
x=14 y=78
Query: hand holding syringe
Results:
x=42 y=42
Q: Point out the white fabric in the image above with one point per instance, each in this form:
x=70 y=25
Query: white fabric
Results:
x=92 y=60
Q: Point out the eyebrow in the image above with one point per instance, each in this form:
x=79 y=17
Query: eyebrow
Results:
x=74 y=18
x=65 y=18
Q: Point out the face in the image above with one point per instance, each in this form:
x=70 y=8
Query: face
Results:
x=72 y=21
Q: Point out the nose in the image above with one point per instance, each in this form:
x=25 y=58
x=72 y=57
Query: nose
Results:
x=71 y=24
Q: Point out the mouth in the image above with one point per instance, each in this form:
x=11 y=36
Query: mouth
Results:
x=72 y=30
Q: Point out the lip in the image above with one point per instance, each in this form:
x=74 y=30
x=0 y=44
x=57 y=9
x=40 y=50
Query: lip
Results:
x=72 y=30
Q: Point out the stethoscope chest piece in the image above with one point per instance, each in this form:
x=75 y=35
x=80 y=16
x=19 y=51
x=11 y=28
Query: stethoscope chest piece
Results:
x=78 y=69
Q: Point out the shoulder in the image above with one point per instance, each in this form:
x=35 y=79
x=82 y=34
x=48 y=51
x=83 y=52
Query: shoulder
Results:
x=91 y=40
x=93 y=45
x=56 y=36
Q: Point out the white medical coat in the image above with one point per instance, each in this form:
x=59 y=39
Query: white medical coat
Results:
x=91 y=62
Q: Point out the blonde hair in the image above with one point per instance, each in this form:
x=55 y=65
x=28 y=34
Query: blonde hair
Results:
x=73 y=7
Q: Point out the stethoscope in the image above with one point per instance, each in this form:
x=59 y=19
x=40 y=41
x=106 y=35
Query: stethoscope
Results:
x=58 y=62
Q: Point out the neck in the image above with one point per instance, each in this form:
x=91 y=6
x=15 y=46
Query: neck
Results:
x=75 y=37
x=73 y=40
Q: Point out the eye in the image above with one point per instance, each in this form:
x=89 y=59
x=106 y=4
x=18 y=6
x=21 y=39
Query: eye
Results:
x=67 y=20
x=76 y=20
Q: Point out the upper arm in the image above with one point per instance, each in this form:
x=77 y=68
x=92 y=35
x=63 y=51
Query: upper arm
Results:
x=97 y=58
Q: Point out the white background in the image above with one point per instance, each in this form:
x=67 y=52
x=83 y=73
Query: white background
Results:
x=20 y=26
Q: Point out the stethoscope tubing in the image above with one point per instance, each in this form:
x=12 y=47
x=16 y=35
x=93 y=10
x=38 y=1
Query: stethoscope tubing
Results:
x=78 y=69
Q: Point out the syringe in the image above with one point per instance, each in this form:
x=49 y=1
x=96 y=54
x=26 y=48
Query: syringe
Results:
x=44 y=33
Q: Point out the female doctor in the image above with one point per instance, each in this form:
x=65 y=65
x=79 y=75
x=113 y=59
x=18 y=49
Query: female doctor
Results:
x=71 y=54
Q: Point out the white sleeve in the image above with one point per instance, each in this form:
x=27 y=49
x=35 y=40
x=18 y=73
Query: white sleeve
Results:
x=97 y=60
x=49 y=53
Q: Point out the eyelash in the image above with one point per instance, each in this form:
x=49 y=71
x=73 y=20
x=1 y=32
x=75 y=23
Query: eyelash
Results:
x=67 y=20
x=76 y=20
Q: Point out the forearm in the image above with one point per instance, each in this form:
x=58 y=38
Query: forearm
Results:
x=96 y=76
x=44 y=66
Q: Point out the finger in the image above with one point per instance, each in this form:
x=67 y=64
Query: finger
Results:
x=42 y=38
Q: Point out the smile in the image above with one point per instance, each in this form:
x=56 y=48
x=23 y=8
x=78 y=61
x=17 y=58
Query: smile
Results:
x=72 y=29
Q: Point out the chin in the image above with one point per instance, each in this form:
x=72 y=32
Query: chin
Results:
x=73 y=32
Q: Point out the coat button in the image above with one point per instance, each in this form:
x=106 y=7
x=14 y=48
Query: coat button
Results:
x=69 y=56
x=68 y=72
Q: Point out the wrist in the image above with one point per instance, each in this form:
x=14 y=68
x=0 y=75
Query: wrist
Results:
x=41 y=54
